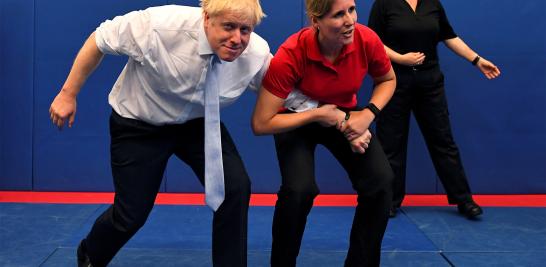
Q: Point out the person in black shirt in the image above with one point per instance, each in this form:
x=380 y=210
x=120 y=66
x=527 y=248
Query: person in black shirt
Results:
x=411 y=31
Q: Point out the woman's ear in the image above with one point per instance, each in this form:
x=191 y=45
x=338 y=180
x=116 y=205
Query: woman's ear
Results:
x=314 y=23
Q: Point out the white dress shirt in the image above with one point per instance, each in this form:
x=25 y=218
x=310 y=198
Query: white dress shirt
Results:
x=163 y=80
x=298 y=102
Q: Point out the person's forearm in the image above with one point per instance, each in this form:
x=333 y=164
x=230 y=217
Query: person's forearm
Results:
x=284 y=122
x=382 y=93
x=267 y=120
x=460 y=48
x=360 y=121
x=383 y=90
x=393 y=55
x=88 y=58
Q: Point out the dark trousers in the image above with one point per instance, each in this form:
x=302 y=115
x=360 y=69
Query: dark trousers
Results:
x=370 y=175
x=139 y=155
x=422 y=92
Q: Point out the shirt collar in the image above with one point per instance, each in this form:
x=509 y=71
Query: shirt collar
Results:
x=314 y=49
x=312 y=42
x=204 y=46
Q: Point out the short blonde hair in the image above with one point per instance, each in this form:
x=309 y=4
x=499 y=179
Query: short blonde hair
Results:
x=250 y=9
x=317 y=8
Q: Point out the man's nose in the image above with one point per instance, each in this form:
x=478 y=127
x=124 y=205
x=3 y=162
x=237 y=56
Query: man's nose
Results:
x=235 y=37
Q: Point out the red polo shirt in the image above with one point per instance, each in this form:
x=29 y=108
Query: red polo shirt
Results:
x=299 y=64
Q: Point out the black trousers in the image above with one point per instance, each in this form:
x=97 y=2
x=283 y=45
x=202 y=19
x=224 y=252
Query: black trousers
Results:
x=422 y=92
x=370 y=175
x=139 y=155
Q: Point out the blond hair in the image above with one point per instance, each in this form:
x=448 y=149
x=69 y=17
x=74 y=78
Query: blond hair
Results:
x=317 y=8
x=249 y=9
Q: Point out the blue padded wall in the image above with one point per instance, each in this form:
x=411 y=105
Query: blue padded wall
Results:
x=16 y=97
x=500 y=125
x=77 y=158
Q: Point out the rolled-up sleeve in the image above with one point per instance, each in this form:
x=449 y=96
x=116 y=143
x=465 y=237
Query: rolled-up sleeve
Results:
x=125 y=35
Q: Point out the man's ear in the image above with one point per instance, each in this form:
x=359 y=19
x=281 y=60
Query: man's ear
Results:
x=206 y=18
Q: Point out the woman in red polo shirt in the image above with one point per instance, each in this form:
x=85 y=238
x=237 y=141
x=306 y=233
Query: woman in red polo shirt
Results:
x=327 y=62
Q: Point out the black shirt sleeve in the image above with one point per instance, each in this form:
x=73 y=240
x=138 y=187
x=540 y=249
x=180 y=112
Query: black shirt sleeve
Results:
x=446 y=31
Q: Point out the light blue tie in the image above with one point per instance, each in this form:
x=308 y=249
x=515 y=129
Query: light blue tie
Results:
x=214 y=169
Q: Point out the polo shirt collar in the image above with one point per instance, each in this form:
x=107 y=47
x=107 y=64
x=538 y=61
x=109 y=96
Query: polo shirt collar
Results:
x=312 y=43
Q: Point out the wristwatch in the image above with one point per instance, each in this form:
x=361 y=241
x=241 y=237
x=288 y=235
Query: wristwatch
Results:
x=373 y=108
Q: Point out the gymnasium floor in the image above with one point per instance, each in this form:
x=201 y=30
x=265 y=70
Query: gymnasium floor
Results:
x=43 y=229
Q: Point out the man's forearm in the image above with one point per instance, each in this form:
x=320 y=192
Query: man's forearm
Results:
x=87 y=60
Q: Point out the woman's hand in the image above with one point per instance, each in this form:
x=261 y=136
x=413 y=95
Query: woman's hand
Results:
x=357 y=124
x=361 y=143
x=488 y=69
x=460 y=48
x=411 y=59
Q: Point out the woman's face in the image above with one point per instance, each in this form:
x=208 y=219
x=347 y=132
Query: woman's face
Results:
x=337 y=26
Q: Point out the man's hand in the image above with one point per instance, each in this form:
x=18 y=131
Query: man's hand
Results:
x=63 y=109
x=361 y=143
x=330 y=115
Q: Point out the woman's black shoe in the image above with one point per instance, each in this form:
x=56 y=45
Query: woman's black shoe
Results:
x=83 y=258
x=470 y=209
x=392 y=212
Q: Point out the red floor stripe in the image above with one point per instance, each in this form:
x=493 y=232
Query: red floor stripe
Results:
x=262 y=199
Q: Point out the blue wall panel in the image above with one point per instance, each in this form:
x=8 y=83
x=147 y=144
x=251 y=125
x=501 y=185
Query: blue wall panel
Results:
x=77 y=158
x=500 y=125
x=16 y=98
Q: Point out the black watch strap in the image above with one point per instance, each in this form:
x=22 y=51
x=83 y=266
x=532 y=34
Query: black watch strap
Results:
x=475 y=61
x=373 y=108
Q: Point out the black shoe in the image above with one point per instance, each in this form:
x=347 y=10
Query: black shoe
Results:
x=83 y=258
x=392 y=212
x=470 y=209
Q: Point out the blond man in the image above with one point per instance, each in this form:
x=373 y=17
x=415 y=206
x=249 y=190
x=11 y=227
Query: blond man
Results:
x=184 y=64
